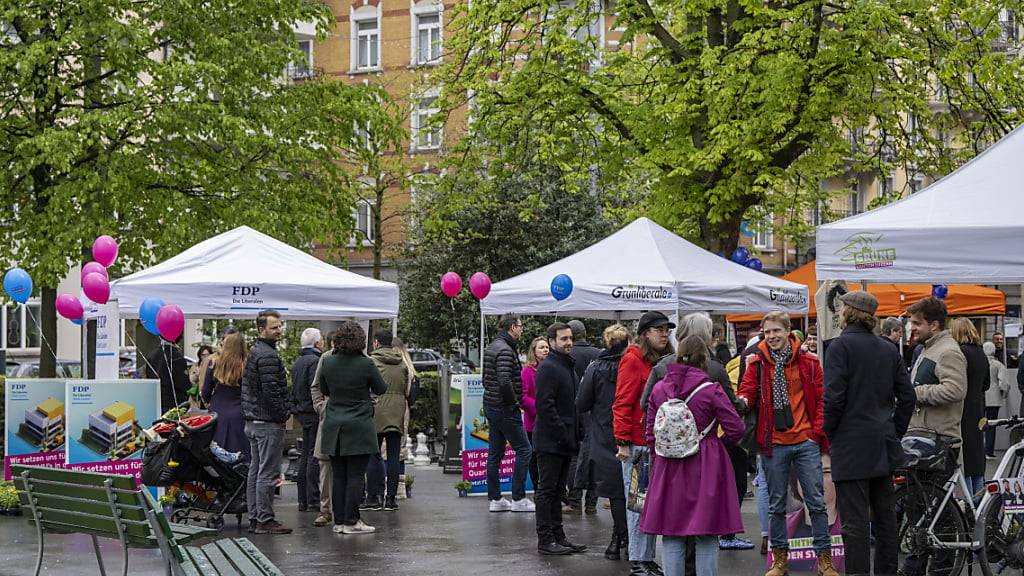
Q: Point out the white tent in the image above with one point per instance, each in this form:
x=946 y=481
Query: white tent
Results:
x=645 y=267
x=965 y=228
x=242 y=271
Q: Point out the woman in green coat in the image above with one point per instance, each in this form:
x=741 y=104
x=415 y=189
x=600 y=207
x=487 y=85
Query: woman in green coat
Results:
x=347 y=378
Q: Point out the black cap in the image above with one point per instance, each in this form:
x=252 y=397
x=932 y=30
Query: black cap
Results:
x=653 y=319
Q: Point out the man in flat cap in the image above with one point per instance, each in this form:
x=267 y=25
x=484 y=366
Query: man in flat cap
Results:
x=868 y=404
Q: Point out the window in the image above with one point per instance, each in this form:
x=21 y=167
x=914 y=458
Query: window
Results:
x=304 y=67
x=1008 y=26
x=367 y=39
x=915 y=184
x=425 y=135
x=362 y=216
x=428 y=38
x=764 y=235
x=20 y=326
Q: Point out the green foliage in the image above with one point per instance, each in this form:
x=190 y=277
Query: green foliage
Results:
x=724 y=110
x=463 y=485
x=426 y=412
x=8 y=496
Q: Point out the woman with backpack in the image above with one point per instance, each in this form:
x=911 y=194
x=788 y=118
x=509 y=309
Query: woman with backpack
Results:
x=683 y=413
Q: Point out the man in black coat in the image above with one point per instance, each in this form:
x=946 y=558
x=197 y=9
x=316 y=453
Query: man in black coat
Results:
x=869 y=401
x=303 y=371
x=581 y=471
x=266 y=406
x=556 y=439
x=167 y=363
x=503 y=391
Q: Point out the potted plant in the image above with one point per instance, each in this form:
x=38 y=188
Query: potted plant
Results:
x=167 y=501
x=10 y=504
x=410 y=479
x=463 y=487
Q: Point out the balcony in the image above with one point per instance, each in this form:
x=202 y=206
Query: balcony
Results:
x=302 y=72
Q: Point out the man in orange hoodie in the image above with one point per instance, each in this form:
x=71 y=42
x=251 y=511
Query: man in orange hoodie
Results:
x=627 y=422
x=783 y=385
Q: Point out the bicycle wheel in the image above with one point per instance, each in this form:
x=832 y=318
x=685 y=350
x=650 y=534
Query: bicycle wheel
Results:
x=922 y=500
x=1002 y=550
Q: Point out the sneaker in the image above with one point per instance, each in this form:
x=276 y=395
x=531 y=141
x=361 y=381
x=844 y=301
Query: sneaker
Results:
x=272 y=527
x=360 y=527
x=653 y=568
x=991 y=457
x=390 y=505
x=735 y=543
x=503 y=505
x=338 y=528
x=524 y=505
x=322 y=520
x=374 y=503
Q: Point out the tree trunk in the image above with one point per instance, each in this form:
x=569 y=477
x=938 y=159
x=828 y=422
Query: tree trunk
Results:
x=721 y=237
x=48 y=331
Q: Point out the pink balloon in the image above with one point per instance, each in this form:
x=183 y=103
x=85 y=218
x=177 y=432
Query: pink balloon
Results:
x=69 y=307
x=480 y=285
x=104 y=250
x=451 y=284
x=170 y=322
x=96 y=287
x=90 y=267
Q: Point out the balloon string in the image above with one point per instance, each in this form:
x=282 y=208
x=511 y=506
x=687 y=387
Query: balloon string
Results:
x=153 y=370
x=42 y=337
x=455 y=322
x=144 y=359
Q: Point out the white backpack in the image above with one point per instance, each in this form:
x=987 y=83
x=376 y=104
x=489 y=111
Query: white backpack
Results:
x=675 y=431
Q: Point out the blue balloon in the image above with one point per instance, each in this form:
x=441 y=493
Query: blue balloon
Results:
x=18 y=285
x=940 y=291
x=561 y=287
x=77 y=321
x=147 y=314
x=740 y=255
x=755 y=264
x=745 y=229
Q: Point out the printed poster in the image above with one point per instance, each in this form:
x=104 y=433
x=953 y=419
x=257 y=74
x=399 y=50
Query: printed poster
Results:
x=1011 y=490
x=802 y=557
x=34 y=426
x=105 y=419
x=475 y=437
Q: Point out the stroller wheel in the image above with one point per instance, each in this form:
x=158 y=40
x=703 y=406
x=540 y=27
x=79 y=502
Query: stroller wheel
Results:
x=180 y=517
x=215 y=522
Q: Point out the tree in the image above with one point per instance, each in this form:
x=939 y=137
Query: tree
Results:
x=731 y=109
x=502 y=218
x=162 y=123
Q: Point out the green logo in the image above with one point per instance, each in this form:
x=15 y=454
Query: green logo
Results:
x=863 y=250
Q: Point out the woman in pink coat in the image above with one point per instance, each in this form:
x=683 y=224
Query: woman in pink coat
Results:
x=537 y=352
x=693 y=496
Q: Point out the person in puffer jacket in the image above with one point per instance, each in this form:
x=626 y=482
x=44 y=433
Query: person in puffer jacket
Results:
x=266 y=406
x=503 y=387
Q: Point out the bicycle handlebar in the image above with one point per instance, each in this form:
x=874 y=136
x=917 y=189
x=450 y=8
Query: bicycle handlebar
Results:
x=1008 y=422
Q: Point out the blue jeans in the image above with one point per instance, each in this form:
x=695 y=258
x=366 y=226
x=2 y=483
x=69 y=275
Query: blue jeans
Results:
x=506 y=426
x=673 y=553
x=641 y=546
x=805 y=458
x=761 y=495
x=266 y=440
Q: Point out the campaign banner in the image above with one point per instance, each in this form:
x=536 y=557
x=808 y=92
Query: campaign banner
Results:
x=105 y=419
x=476 y=438
x=802 y=557
x=34 y=423
x=1012 y=493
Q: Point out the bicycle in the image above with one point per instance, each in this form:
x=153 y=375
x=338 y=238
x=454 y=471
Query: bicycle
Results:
x=946 y=530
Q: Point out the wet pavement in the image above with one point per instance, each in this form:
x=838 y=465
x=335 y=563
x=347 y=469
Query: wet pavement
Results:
x=433 y=534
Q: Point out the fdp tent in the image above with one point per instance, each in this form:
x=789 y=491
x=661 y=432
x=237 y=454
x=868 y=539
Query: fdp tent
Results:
x=966 y=227
x=893 y=299
x=645 y=267
x=242 y=271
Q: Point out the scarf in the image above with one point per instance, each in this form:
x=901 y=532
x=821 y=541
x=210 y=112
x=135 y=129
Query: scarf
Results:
x=780 y=389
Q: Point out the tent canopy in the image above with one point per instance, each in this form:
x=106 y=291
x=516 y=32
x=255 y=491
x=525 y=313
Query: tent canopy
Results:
x=242 y=271
x=965 y=228
x=645 y=267
x=893 y=299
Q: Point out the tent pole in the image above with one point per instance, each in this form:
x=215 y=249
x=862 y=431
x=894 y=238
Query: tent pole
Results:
x=394 y=326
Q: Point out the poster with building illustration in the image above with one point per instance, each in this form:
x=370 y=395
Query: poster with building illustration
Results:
x=476 y=438
x=105 y=419
x=34 y=423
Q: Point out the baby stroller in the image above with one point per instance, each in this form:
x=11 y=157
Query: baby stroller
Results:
x=206 y=481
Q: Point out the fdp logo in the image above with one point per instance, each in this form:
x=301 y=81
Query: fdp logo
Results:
x=245 y=290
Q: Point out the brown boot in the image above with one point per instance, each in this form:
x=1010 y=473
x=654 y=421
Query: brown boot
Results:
x=825 y=567
x=780 y=563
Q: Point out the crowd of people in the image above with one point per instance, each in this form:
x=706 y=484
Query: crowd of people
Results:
x=583 y=419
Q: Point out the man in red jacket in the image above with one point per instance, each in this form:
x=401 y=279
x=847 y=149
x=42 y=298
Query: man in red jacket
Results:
x=783 y=385
x=627 y=422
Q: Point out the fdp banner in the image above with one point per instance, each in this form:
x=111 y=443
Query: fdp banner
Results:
x=476 y=438
x=105 y=419
x=34 y=423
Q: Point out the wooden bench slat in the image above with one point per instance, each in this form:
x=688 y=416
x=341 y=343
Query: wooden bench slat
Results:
x=183 y=533
x=95 y=507
x=133 y=541
x=76 y=477
x=258 y=557
x=90 y=493
x=107 y=525
x=189 y=568
x=198 y=558
x=226 y=567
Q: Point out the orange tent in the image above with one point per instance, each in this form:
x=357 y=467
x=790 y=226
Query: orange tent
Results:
x=893 y=299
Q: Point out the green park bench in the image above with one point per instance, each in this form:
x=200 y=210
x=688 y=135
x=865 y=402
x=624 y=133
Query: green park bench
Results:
x=112 y=506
